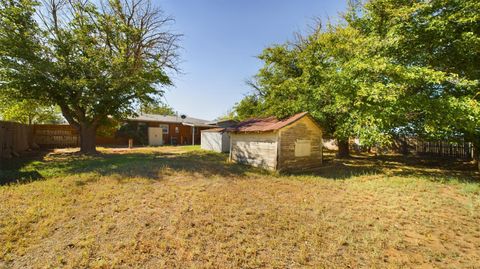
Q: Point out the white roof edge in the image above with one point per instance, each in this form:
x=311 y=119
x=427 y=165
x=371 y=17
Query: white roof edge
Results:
x=169 y=119
x=130 y=119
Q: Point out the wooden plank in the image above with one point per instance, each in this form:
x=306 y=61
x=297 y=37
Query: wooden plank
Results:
x=48 y=135
x=14 y=138
x=258 y=150
x=305 y=130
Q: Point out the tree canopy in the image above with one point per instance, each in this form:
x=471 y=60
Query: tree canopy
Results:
x=29 y=112
x=157 y=108
x=93 y=59
x=389 y=67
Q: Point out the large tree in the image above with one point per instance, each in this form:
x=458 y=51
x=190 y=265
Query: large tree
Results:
x=158 y=108
x=390 y=67
x=334 y=74
x=437 y=43
x=94 y=59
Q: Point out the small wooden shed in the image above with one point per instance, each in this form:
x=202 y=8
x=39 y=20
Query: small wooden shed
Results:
x=291 y=144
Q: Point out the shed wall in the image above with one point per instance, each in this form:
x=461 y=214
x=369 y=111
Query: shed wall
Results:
x=303 y=130
x=211 y=141
x=256 y=149
x=225 y=142
x=215 y=141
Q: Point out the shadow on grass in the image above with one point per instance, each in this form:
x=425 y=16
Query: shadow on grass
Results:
x=154 y=165
x=157 y=165
x=431 y=168
x=15 y=170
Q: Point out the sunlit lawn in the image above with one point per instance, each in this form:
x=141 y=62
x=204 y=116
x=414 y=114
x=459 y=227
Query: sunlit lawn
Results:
x=182 y=207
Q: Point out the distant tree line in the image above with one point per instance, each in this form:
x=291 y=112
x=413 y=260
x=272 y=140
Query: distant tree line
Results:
x=158 y=108
x=388 y=68
x=29 y=112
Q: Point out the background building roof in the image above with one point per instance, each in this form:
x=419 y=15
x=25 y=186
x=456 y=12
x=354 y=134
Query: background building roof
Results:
x=172 y=119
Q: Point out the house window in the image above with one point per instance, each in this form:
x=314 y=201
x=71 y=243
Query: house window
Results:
x=176 y=130
x=164 y=128
x=302 y=148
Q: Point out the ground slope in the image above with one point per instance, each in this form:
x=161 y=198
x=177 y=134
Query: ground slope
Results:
x=181 y=207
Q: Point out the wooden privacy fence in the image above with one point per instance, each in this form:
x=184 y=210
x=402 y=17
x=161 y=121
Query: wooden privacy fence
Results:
x=445 y=148
x=17 y=137
x=14 y=138
x=57 y=136
x=52 y=136
x=46 y=135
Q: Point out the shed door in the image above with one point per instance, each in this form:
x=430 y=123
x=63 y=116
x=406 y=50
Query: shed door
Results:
x=155 y=137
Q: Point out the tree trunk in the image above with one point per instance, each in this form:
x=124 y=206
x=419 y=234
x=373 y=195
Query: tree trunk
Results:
x=476 y=155
x=343 y=149
x=404 y=147
x=87 y=139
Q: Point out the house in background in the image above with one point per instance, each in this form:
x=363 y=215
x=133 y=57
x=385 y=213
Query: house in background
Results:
x=291 y=144
x=169 y=130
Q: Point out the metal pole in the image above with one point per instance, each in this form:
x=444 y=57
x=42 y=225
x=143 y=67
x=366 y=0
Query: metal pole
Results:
x=193 y=135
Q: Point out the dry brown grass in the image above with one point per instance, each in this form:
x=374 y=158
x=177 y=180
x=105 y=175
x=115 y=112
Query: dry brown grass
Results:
x=184 y=208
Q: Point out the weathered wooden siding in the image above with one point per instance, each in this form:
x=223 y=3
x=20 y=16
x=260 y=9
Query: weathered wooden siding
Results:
x=225 y=142
x=14 y=138
x=58 y=136
x=256 y=149
x=54 y=136
x=301 y=131
x=215 y=141
x=211 y=141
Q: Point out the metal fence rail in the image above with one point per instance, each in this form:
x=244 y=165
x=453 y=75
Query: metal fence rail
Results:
x=445 y=148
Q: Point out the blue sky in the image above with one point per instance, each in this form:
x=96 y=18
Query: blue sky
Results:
x=220 y=42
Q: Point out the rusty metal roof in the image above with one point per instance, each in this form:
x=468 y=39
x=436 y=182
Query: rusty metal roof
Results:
x=265 y=124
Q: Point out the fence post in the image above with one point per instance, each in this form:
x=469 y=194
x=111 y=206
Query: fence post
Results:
x=130 y=143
